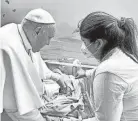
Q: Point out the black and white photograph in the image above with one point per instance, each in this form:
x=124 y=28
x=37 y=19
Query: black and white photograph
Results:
x=69 y=60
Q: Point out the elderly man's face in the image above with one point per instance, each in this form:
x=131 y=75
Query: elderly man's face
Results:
x=46 y=33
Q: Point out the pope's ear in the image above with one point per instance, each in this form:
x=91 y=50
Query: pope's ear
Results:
x=37 y=30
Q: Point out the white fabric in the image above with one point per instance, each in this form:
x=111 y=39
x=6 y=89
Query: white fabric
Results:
x=121 y=65
x=27 y=85
x=24 y=40
x=109 y=91
x=40 y=16
x=60 y=104
x=43 y=71
x=116 y=88
x=89 y=73
x=34 y=115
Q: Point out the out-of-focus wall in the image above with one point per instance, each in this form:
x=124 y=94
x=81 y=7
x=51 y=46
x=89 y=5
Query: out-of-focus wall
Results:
x=67 y=13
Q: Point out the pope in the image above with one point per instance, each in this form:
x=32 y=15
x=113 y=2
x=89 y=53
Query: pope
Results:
x=22 y=68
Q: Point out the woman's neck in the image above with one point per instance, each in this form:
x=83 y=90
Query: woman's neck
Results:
x=109 y=54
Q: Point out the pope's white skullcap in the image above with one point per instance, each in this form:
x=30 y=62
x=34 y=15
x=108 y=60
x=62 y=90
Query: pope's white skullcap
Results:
x=40 y=16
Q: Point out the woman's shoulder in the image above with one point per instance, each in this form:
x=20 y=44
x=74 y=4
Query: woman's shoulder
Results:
x=107 y=66
x=111 y=60
x=119 y=64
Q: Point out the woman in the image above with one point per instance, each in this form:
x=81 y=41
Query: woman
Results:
x=115 y=86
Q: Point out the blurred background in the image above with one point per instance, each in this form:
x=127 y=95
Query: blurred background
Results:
x=67 y=13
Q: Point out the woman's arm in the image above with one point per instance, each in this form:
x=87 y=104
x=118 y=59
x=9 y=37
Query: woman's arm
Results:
x=109 y=90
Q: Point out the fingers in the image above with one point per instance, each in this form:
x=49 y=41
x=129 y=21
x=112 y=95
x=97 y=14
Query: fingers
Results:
x=60 y=83
x=76 y=74
x=78 y=77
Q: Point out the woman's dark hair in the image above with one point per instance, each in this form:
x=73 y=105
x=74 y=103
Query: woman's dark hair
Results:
x=118 y=33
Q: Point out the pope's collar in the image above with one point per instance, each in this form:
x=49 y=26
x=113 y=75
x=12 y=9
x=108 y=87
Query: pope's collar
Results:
x=25 y=41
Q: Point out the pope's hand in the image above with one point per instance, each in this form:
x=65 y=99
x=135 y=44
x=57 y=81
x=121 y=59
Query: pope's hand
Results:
x=65 y=83
x=61 y=82
x=80 y=74
x=59 y=79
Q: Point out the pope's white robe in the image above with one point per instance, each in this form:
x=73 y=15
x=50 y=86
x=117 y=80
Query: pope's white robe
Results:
x=20 y=82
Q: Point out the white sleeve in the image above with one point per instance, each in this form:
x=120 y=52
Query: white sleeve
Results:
x=90 y=73
x=46 y=72
x=109 y=90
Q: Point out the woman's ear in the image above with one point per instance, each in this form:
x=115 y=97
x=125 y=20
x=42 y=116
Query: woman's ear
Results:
x=100 y=43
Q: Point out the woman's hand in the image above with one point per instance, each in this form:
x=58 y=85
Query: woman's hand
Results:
x=80 y=74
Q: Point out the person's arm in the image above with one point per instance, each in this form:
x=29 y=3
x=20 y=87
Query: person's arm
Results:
x=90 y=73
x=109 y=90
x=85 y=73
x=48 y=74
